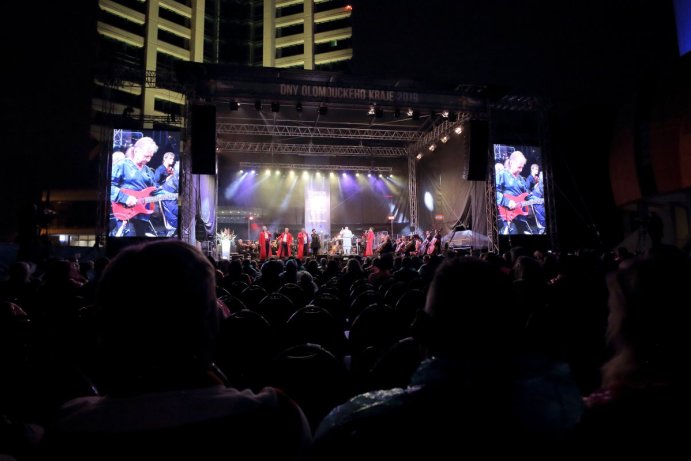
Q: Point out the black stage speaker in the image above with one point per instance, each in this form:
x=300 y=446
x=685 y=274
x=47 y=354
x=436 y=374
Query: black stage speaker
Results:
x=478 y=150
x=203 y=133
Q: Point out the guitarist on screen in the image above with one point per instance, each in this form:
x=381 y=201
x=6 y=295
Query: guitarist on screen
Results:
x=133 y=192
x=514 y=197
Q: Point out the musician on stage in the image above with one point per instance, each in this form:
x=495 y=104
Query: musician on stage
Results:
x=264 y=244
x=512 y=193
x=369 y=242
x=315 y=244
x=285 y=242
x=303 y=238
x=169 y=208
x=132 y=180
x=347 y=236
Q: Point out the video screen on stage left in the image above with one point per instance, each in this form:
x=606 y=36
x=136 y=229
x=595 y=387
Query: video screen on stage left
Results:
x=143 y=183
x=519 y=181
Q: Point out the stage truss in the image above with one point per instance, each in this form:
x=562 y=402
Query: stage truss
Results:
x=293 y=134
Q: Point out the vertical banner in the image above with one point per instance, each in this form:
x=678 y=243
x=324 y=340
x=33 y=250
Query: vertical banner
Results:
x=318 y=207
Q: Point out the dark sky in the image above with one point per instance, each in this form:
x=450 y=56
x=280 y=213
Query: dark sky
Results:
x=585 y=57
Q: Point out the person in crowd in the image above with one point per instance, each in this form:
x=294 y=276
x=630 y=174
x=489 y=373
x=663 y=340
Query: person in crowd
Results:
x=643 y=404
x=161 y=393
x=473 y=390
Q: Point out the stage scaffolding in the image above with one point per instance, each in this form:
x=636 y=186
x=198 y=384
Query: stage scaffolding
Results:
x=344 y=132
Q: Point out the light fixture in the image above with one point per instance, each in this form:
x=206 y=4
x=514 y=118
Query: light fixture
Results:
x=233 y=105
x=419 y=155
x=444 y=139
x=445 y=113
x=371 y=110
x=275 y=107
x=432 y=147
x=458 y=129
x=410 y=112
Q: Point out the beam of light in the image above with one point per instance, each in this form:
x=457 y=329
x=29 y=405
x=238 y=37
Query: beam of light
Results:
x=232 y=189
x=291 y=181
x=428 y=200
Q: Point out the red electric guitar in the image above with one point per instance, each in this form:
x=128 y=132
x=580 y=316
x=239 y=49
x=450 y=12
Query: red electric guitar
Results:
x=145 y=203
x=521 y=206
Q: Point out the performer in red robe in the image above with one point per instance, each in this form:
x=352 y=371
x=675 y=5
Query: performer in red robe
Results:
x=302 y=243
x=285 y=241
x=264 y=244
x=369 y=240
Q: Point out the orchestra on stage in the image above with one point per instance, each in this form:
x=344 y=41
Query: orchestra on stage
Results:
x=343 y=243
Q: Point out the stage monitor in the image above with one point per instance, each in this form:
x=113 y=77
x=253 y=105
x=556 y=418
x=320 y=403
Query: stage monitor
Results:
x=519 y=181
x=143 y=184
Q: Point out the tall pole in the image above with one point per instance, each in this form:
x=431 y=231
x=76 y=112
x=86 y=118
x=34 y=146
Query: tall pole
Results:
x=391 y=218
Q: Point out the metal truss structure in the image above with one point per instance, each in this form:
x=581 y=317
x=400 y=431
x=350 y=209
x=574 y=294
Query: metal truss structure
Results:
x=307 y=150
x=305 y=166
x=412 y=191
x=315 y=131
x=491 y=215
x=445 y=128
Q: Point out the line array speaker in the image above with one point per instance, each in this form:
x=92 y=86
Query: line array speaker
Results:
x=203 y=134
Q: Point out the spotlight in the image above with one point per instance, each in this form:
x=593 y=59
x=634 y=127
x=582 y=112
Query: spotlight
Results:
x=419 y=156
x=371 y=110
x=445 y=113
x=275 y=107
x=432 y=147
x=323 y=110
x=410 y=112
x=233 y=105
x=258 y=105
x=444 y=138
x=458 y=129
x=298 y=107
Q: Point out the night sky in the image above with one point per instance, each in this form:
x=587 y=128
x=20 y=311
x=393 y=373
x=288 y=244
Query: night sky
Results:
x=586 y=58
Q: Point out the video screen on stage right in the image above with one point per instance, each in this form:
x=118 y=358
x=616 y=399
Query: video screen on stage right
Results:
x=519 y=182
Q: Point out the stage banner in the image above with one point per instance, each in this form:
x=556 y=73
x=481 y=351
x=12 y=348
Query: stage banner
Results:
x=318 y=206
